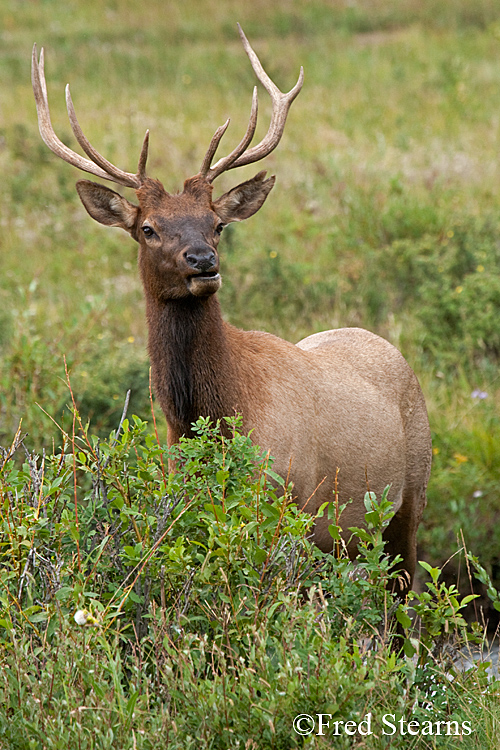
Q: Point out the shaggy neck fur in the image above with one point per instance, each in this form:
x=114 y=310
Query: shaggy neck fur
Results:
x=193 y=370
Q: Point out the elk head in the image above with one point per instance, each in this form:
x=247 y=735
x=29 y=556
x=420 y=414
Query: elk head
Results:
x=178 y=234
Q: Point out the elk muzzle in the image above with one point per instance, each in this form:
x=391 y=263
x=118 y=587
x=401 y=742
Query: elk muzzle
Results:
x=203 y=278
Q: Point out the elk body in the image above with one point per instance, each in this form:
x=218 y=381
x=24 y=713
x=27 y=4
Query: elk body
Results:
x=343 y=399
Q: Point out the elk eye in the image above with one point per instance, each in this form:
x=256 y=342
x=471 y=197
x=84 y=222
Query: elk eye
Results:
x=148 y=231
x=219 y=228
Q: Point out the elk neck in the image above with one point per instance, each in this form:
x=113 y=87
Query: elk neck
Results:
x=193 y=369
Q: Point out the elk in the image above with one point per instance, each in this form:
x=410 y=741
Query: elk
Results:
x=342 y=401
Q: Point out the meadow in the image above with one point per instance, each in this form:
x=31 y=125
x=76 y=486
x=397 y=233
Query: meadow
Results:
x=385 y=215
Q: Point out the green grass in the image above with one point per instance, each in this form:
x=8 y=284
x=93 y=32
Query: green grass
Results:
x=384 y=215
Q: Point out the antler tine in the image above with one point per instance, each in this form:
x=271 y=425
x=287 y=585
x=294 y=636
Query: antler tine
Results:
x=99 y=166
x=141 y=167
x=226 y=162
x=280 y=105
x=42 y=73
x=214 y=144
x=45 y=125
x=113 y=173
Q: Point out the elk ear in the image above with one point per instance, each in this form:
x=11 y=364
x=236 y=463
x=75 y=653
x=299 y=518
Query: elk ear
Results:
x=244 y=200
x=107 y=207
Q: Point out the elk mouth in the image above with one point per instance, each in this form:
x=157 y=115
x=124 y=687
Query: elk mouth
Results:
x=204 y=284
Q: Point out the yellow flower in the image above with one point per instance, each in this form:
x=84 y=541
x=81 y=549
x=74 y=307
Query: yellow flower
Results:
x=480 y=269
x=459 y=458
x=435 y=451
x=131 y=339
x=459 y=289
x=273 y=254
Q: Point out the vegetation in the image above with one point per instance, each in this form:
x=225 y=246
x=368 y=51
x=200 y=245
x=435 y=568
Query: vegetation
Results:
x=385 y=215
x=140 y=609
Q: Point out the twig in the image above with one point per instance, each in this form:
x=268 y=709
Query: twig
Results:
x=7 y=454
x=73 y=441
x=156 y=429
x=24 y=574
x=122 y=419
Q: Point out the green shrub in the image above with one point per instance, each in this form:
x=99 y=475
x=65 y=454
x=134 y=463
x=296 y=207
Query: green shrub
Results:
x=192 y=606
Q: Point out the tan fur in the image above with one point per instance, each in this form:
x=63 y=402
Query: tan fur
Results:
x=342 y=399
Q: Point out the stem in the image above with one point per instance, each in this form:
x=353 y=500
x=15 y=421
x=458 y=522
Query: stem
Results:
x=73 y=443
x=156 y=429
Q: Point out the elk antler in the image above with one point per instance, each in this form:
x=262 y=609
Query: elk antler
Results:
x=281 y=104
x=99 y=166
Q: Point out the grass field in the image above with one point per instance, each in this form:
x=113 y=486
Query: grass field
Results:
x=385 y=214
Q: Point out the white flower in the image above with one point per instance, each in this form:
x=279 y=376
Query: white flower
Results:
x=84 y=617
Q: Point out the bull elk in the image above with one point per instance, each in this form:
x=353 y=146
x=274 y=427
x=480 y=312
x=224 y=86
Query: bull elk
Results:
x=342 y=399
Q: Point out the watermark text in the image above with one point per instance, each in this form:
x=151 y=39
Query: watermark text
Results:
x=387 y=724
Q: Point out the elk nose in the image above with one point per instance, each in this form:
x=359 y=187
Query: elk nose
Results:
x=202 y=259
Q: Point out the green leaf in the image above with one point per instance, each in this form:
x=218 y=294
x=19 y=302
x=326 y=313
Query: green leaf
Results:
x=74 y=533
x=129 y=710
x=321 y=510
x=39 y=617
x=334 y=532
x=361 y=534
x=433 y=572
x=468 y=599
x=403 y=618
x=271 y=511
x=260 y=555
x=222 y=476
x=277 y=478
x=221 y=516
x=408 y=648
x=63 y=592
x=369 y=499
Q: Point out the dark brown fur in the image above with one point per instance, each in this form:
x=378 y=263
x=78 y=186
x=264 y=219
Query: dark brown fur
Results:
x=191 y=367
